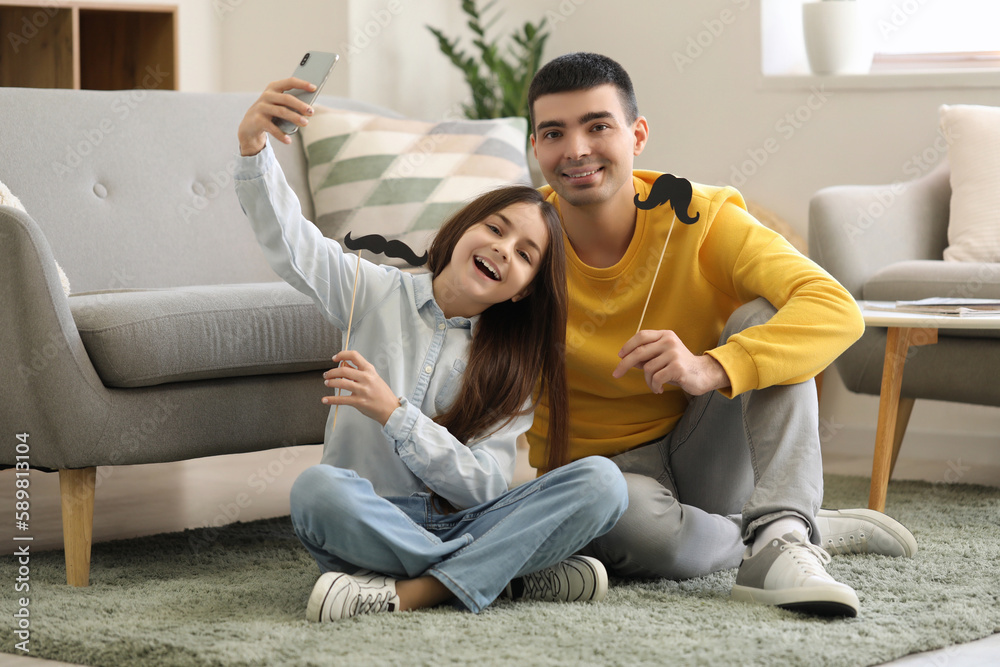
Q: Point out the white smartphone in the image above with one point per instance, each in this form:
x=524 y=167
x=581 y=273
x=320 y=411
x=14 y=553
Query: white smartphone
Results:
x=315 y=68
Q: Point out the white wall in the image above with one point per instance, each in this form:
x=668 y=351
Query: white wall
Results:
x=708 y=117
x=263 y=40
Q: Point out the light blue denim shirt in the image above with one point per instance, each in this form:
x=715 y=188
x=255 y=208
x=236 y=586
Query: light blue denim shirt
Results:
x=401 y=330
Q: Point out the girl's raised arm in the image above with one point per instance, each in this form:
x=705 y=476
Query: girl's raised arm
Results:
x=297 y=250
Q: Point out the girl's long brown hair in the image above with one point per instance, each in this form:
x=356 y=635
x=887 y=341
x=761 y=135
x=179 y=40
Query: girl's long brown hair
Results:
x=515 y=344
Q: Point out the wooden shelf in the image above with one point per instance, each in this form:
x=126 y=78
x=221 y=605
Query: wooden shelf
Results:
x=86 y=45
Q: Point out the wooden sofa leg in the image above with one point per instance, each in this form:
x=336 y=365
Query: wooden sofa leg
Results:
x=76 y=488
x=902 y=420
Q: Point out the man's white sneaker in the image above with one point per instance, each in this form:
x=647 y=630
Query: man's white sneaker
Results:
x=576 y=579
x=864 y=531
x=789 y=573
x=337 y=595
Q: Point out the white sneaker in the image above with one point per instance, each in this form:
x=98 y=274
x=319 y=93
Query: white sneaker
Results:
x=337 y=595
x=576 y=579
x=789 y=573
x=864 y=531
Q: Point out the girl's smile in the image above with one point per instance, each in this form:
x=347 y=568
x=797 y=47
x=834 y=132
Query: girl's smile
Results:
x=488 y=268
x=495 y=260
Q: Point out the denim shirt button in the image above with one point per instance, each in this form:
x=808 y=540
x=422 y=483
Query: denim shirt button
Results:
x=442 y=326
x=428 y=368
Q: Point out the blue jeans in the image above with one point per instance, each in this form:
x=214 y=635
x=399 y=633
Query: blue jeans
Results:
x=730 y=466
x=474 y=552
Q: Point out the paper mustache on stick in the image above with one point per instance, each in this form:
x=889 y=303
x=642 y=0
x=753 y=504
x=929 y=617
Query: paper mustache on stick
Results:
x=678 y=192
x=383 y=246
x=380 y=246
x=675 y=191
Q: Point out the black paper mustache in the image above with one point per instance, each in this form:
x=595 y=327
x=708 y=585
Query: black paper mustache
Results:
x=383 y=246
x=677 y=191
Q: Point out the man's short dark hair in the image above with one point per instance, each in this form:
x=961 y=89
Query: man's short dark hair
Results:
x=582 y=71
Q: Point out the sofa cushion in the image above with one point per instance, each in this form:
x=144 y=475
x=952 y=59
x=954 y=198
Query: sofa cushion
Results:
x=924 y=278
x=140 y=338
x=402 y=178
x=973 y=135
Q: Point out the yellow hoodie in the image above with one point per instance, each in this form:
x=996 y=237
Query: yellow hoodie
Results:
x=710 y=268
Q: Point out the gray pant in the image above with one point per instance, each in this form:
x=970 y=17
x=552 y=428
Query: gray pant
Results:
x=728 y=467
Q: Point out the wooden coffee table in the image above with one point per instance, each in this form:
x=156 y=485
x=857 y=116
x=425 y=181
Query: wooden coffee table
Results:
x=905 y=330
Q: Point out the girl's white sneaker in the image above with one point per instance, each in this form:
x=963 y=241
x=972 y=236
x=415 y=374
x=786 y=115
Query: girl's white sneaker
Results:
x=337 y=595
x=576 y=579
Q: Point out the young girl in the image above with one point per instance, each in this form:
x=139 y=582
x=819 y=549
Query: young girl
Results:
x=408 y=511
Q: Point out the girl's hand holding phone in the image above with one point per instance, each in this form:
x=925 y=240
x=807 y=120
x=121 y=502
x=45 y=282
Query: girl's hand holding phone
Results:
x=369 y=392
x=273 y=103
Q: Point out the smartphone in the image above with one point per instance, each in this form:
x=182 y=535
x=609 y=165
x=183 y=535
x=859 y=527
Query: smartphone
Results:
x=315 y=68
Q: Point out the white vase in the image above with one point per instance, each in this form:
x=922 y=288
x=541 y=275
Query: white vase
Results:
x=837 y=39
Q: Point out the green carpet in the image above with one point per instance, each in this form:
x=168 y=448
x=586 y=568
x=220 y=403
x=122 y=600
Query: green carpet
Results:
x=236 y=596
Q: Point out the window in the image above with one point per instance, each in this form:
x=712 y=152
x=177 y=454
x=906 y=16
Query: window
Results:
x=929 y=34
x=907 y=35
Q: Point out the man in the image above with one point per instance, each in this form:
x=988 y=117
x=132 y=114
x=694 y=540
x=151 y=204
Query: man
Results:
x=710 y=409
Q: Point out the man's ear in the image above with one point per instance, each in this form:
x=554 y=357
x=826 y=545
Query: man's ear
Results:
x=534 y=149
x=640 y=128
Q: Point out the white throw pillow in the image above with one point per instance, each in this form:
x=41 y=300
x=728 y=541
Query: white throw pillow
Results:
x=973 y=135
x=7 y=198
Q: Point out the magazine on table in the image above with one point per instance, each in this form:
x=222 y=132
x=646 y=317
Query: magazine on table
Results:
x=958 y=307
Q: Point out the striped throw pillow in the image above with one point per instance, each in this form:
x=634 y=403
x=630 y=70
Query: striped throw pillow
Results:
x=402 y=178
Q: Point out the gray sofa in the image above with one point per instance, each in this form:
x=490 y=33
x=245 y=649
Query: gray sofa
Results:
x=178 y=340
x=886 y=243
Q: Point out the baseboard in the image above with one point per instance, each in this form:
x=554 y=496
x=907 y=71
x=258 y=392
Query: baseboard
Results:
x=927 y=455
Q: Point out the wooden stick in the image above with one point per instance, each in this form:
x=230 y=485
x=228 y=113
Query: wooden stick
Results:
x=347 y=339
x=662 y=253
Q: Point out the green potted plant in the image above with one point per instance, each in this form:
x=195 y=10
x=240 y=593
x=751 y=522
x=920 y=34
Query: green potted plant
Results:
x=500 y=73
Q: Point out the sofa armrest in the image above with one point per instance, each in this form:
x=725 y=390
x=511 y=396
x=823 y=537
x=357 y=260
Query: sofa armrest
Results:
x=855 y=230
x=51 y=390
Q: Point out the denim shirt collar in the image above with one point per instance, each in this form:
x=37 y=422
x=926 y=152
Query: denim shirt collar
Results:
x=423 y=293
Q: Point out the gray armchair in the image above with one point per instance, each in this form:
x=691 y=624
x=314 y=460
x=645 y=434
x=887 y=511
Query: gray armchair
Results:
x=886 y=243
x=179 y=341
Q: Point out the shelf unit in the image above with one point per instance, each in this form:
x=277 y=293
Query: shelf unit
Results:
x=84 y=45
